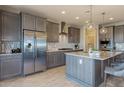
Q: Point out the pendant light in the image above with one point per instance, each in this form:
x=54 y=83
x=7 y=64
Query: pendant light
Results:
x=90 y=25
x=103 y=30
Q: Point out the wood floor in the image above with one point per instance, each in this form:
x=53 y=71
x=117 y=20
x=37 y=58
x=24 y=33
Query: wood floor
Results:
x=51 y=78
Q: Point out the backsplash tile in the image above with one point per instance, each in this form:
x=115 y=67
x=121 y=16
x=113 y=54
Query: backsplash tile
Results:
x=6 y=47
x=63 y=43
x=119 y=46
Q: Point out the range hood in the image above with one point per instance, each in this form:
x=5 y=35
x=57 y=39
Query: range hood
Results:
x=63 y=29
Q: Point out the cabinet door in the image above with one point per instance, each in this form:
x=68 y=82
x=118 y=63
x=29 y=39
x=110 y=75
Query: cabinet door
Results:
x=70 y=35
x=62 y=58
x=71 y=66
x=51 y=60
x=55 y=33
x=73 y=35
x=40 y=24
x=10 y=66
x=52 y=32
x=49 y=31
x=88 y=64
x=10 y=27
x=67 y=64
x=119 y=34
x=77 y=36
x=28 y=21
x=57 y=58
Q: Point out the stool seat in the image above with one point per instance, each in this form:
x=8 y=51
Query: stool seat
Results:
x=117 y=71
x=114 y=71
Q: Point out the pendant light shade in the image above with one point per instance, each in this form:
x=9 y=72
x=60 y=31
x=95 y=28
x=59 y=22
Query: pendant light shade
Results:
x=90 y=25
x=103 y=30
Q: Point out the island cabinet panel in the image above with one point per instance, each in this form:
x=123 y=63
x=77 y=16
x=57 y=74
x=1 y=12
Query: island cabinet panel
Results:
x=73 y=66
x=80 y=69
x=84 y=70
x=88 y=71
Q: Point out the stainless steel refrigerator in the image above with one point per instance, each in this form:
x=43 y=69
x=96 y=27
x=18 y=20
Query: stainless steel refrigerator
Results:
x=34 y=51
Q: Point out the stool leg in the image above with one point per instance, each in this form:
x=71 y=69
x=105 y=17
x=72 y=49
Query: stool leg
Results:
x=105 y=79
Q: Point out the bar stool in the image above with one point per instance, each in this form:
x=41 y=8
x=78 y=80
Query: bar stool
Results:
x=117 y=71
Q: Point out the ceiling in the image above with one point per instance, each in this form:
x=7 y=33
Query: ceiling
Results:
x=53 y=12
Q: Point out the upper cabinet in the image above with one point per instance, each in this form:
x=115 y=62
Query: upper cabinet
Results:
x=32 y=22
x=28 y=21
x=52 y=32
x=119 y=34
x=10 y=26
x=40 y=24
x=73 y=35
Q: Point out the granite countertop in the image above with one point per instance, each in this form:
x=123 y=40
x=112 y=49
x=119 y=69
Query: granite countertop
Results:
x=3 y=54
x=56 y=50
x=103 y=55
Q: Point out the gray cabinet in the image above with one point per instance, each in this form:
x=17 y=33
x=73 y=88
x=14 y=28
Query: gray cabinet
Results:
x=40 y=24
x=119 y=34
x=10 y=27
x=55 y=59
x=73 y=35
x=31 y=22
x=28 y=21
x=10 y=65
x=52 y=32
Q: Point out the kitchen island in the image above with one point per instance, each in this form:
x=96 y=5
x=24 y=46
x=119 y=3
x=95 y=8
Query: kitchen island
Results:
x=88 y=70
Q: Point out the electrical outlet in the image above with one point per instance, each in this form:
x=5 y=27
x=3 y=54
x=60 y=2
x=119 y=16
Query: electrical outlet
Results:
x=80 y=61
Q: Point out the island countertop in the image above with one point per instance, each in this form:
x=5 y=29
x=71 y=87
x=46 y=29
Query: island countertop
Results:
x=103 y=55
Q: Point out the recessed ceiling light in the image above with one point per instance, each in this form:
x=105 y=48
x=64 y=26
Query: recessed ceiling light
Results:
x=63 y=12
x=77 y=17
x=111 y=18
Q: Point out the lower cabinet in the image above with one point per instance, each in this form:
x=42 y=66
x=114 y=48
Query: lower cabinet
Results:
x=55 y=59
x=10 y=65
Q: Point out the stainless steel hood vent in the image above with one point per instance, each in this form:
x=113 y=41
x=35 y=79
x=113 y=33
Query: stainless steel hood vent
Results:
x=63 y=29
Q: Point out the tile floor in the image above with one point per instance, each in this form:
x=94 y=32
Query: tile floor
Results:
x=51 y=78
